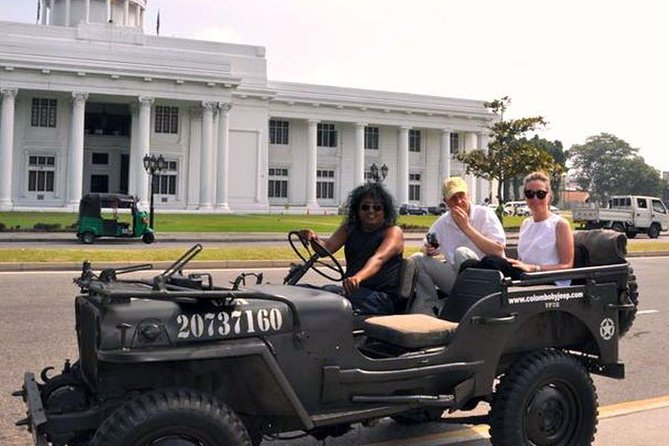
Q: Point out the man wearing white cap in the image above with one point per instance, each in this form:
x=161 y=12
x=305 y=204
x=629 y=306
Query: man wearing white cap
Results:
x=465 y=231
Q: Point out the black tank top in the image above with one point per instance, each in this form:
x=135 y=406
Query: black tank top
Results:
x=359 y=247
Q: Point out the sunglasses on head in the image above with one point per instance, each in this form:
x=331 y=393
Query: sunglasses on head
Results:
x=365 y=207
x=540 y=194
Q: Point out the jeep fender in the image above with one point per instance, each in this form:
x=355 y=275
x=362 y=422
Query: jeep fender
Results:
x=267 y=374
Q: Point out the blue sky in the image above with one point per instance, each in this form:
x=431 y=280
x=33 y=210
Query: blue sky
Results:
x=586 y=66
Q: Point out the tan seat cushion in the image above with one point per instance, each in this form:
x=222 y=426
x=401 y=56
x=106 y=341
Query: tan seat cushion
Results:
x=410 y=330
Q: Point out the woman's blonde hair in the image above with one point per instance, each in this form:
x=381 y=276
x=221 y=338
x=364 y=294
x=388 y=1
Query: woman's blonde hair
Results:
x=538 y=176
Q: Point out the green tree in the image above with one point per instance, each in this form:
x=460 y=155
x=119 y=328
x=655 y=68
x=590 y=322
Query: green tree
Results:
x=559 y=155
x=607 y=165
x=509 y=153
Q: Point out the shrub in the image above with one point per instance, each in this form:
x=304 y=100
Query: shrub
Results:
x=46 y=227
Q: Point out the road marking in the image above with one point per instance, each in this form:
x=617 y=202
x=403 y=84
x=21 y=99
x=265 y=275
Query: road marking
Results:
x=480 y=431
x=647 y=311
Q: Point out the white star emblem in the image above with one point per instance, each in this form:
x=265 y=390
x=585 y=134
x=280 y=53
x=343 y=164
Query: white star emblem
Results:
x=607 y=329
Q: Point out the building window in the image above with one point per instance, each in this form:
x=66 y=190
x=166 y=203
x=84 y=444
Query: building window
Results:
x=325 y=184
x=100 y=184
x=455 y=143
x=278 y=131
x=414 y=187
x=167 y=119
x=414 y=140
x=100 y=158
x=43 y=113
x=327 y=135
x=372 y=138
x=277 y=186
x=166 y=180
x=41 y=173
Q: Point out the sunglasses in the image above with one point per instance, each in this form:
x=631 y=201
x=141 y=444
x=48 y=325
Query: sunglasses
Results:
x=540 y=194
x=365 y=207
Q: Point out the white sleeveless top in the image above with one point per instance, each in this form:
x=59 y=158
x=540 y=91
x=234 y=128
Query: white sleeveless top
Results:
x=537 y=243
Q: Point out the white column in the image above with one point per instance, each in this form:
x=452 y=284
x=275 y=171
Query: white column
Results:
x=109 y=10
x=7 y=146
x=75 y=164
x=87 y=11
x=312 y=158
x=143 y=148
x=67 y=12
x=206 y=156
x=483 y=186
x=223 y=157
x=126 y=12
x=43 y=11
x=403 y=166
x=359 y=164
x=136 y=163
x=471 y=143
x=445 y=159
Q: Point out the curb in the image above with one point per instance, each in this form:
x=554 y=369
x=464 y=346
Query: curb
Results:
x=195 y=264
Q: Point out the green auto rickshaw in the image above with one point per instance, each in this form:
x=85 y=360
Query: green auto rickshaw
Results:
x=112 y=215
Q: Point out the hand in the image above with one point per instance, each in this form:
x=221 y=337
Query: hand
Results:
x=460 y=217
x=307 y=234
x=522 y=266
x=431 y=251
x=351 y=284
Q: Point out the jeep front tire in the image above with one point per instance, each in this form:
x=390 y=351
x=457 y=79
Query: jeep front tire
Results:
x=174 y=416
x=545 y=397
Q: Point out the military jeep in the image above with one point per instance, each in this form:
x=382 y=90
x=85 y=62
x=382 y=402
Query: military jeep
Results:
x=178 y=360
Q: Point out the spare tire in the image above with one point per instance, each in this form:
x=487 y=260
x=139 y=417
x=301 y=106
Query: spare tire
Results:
x=628 y=295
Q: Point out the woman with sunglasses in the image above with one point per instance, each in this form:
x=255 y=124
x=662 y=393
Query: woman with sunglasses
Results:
x=373 y=246
x=545 y=241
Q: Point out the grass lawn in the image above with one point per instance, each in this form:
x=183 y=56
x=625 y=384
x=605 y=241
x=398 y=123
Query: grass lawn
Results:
x=224 y=222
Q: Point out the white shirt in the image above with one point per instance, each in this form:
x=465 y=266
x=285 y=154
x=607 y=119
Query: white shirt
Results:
x=451 y=237
x=537 y=241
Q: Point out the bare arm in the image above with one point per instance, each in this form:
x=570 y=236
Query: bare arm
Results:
x=486 y=244
x=392 y=245
x=333 y=243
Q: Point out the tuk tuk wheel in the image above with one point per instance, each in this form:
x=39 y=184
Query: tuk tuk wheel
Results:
x=148 y=237
x=88 y=238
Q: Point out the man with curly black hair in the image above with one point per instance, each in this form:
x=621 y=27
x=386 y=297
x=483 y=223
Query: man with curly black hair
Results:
x=373 y=246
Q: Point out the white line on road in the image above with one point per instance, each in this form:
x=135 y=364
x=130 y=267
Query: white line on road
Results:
x=647 y=312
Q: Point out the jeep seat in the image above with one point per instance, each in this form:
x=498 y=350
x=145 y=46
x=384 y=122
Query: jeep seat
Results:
x=411 y=331
x=407 y=284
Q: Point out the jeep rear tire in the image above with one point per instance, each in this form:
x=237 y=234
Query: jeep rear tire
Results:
x=174 y=416
x=629 y=295
x=545 y=397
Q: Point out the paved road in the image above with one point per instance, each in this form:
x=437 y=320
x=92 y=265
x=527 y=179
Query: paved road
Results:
x=37 y=329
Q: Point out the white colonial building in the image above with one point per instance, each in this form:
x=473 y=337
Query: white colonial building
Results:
x=86 y=95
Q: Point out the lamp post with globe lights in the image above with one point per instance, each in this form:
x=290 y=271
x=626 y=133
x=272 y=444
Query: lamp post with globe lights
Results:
x=153 y=166
x=378 y=174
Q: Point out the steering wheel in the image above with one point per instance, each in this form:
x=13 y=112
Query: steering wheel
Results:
x=314 y=258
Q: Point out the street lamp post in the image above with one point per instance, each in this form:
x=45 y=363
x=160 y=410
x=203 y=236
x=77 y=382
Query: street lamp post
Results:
x=153 y=165
x=378 y=175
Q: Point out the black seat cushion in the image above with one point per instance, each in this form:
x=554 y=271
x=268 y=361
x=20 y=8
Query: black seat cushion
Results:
x=411 y=331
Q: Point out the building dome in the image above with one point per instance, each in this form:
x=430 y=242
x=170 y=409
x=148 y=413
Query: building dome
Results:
x=124 y=13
